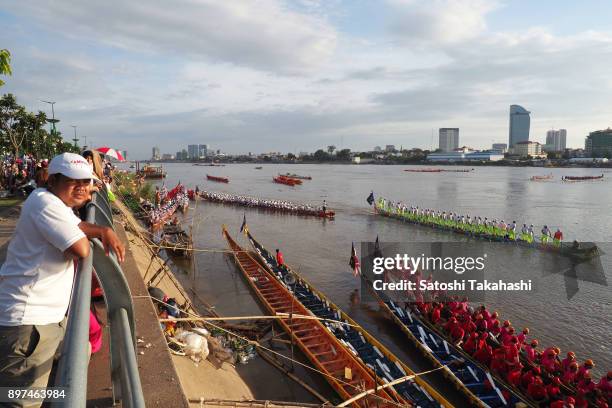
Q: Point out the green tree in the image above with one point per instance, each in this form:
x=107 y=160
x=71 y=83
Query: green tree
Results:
x=330 y=149
x=344 y=155
x=5 y=64
x=320 y=155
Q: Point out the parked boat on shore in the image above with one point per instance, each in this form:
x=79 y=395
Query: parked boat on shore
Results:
x=177 y=242
x=376 y=356
x=217 y=179
x=346 y=374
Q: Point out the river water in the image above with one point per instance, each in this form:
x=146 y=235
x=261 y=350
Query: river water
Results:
x=319 y=249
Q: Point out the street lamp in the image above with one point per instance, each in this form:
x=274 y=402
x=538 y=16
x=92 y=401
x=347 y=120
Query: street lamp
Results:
x=75 y=140
x=53 y=121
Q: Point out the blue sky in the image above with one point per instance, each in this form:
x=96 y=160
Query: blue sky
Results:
x=299 y=75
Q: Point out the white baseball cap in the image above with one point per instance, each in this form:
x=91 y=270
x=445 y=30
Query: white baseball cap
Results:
x=71 y=165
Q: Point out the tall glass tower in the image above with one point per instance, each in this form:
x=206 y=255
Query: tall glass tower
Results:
x=519 y=125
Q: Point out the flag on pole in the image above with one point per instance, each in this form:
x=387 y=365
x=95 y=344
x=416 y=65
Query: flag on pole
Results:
x=354 y=261
x=243 y=227
x=370 y=198
x=377 y=251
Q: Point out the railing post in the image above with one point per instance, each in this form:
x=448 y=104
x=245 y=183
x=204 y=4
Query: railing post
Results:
x=72 y=368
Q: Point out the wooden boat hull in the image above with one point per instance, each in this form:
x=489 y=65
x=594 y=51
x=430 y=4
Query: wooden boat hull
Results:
x=217 y=179
x=373 y=353
x=585 y=250
x=323 y=350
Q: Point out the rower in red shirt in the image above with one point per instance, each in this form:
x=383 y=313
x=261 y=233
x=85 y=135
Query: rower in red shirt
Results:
x=586 y=385
x=495 y=329
x=553 y=389
x=481 y=323
x=484 y=354
x=435 y=314
x=522 y=338
x=531 y=351
x=471 y=344
x=585 y=369
x=498 y=365
x=528 y=377
x=514 y=376
x=605 y=385
x=536 y=390
x=279 y=258
x=571 y=357
x=571 y=375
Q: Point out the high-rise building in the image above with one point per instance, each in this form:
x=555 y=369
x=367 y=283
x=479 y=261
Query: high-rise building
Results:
x=155 y=154
x=599 y=143
x=519 y=125
x=193 y=151
x=448 y=139
x=555 y=140
x=204 y=148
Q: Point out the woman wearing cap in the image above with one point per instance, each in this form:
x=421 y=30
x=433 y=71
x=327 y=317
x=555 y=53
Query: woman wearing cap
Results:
x=36 y=278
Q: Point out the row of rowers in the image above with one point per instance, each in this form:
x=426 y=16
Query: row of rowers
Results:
x=248 y=201
x=475 y=224
x=498 y=346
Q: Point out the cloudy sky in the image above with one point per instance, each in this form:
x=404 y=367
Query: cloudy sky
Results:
x=291 y=76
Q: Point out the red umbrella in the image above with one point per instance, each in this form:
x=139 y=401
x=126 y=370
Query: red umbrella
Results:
x=110 y=152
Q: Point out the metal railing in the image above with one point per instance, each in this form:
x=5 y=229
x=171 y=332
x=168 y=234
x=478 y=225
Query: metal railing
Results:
x=73 y=364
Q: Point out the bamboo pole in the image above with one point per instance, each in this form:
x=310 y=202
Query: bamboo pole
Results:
x=279 y=316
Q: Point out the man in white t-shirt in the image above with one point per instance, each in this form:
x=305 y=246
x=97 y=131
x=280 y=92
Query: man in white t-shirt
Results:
x=36 y=278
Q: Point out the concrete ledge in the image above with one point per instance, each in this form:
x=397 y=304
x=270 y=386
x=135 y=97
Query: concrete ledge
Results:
x=160 y=382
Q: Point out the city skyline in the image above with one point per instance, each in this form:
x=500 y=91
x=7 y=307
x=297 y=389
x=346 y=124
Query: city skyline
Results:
x=353 y=75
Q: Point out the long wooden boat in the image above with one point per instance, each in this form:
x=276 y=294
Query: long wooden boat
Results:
x=268 y=205
x=376 y=356
x=576 y=250
x=217 y=179
x=296 y=176
x=152 y=172
x=469 y=376
x=177 y=241
x=342 y=370
x=541 y=178
x=285 y=180
x=424 y=170
x=582 y=178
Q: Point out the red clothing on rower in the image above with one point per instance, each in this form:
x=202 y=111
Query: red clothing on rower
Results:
x=435 y=315
x=531 y=353
x=484 y=354
x=499 y=366
x=471 y=345
x=605 y=385
x=279 y=258
x=457 y=333
x=558 y=235
x=558 y=404
x=527 y=378
x=536 y=390
x=585 y=387
x=569 y=377
x=514 y=377
x=566 y=363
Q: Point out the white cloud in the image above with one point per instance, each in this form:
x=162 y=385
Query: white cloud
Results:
x=439 y=21
x=261 y=34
